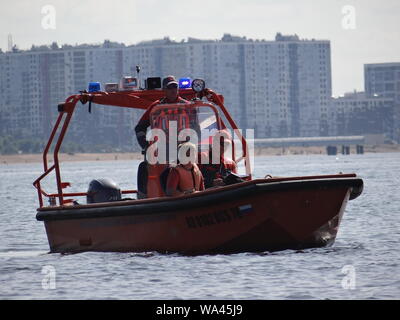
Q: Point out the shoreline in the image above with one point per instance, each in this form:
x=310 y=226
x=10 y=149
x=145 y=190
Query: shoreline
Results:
x=68 y=157
x=116 y=156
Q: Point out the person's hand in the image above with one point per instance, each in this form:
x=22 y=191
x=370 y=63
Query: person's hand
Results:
x=218 y=182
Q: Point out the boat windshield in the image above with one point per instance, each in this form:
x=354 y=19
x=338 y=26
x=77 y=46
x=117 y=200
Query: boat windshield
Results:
x=198 y=121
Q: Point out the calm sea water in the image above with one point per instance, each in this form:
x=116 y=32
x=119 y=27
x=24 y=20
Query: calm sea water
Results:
x=362 y=264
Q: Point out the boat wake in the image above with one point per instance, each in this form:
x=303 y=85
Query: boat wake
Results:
x=22 y=254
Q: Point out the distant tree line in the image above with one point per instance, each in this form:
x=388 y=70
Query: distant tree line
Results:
x=13 y=145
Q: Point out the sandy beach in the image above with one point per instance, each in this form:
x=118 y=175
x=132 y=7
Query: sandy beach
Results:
x=32 y=158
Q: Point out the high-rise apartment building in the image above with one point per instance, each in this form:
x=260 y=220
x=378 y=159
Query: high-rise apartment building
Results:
x=280 y=88
x=288 y=87
x=383 y=79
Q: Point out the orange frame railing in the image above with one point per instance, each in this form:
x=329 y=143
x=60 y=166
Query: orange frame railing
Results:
x=141 y=99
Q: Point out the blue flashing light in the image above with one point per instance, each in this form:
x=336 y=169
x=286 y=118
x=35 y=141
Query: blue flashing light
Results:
x=184 y=83
x=94 y=87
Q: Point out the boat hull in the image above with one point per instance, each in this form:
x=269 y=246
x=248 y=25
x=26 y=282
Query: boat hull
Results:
x=249 y=217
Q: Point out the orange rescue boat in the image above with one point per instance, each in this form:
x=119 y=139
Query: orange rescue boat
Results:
x=251 y=215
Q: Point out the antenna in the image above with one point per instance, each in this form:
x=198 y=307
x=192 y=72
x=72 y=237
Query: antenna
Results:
x=10 y=43
x=138 y=76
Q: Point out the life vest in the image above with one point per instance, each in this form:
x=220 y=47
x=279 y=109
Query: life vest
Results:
x=144 y=121
x=154 y=188
x=161 y=118
x=190 y=180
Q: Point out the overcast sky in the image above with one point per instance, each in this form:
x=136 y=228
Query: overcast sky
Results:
x=372 y=37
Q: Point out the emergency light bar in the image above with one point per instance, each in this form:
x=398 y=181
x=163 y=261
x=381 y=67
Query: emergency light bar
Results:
x=111 y=87
x=184 y=83
x=153 y=83
x=128 y=83
x=94 y=87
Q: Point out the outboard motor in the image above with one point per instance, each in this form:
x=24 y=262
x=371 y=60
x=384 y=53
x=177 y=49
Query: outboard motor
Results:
x=103 y=190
